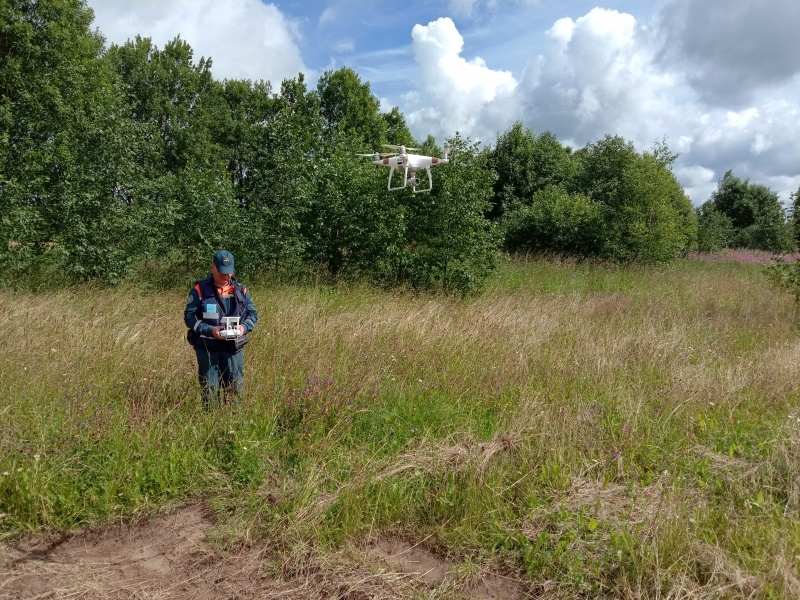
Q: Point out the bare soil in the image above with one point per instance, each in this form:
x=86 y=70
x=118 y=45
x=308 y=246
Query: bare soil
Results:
x=169 y=557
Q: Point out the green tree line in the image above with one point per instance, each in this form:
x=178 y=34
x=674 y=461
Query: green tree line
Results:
x=117 y=156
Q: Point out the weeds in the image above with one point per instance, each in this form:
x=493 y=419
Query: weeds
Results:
x=592 y=430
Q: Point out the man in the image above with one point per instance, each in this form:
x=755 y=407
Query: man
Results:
x=220 y=355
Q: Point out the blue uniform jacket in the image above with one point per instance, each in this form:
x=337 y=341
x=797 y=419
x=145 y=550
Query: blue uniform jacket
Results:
x=193 y=313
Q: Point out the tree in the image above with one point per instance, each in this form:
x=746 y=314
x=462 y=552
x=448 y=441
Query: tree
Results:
x=756 y=214
x=715 y=230
x=732 y=199
x=645 y=214
x=177 y=107
x=272 y=141
x=551 y=161
x=770 y=230
x=348 y=107
x=656 y=221
x=68 y=153
x=450 y=244
x=397 y=131
x=354 y=226
x=166 y=91
x=556 y=222
x=795 y=215
x=207 y=216
x=525 y=163
x=512 y=159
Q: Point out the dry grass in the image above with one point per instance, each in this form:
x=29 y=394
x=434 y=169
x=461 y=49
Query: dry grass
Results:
x=642 y=400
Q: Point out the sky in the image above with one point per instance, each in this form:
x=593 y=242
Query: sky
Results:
x=718 y=81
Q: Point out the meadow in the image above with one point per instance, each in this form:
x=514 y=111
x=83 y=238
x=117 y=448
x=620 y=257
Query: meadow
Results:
x=590 y=430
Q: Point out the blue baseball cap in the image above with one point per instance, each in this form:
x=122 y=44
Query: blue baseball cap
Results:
x=223 y=260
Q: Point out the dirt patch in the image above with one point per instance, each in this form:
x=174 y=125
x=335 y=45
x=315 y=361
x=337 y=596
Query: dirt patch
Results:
x=414 y=559
x=169 y=558
x=159 y=558
x=403 y=557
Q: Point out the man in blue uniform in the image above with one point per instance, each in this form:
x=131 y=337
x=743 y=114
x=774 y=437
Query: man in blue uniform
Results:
x=220 y=358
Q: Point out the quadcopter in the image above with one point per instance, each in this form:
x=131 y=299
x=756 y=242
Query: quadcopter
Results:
x=399 y=159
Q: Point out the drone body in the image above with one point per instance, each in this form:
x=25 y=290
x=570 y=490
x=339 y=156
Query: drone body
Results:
x=409 y=165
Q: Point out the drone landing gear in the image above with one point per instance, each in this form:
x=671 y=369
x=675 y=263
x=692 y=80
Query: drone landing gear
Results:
x=413 y=181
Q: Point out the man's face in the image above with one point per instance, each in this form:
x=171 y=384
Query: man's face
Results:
x=220 y=278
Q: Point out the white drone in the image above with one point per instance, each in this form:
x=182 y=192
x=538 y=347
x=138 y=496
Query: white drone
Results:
x=409 y=164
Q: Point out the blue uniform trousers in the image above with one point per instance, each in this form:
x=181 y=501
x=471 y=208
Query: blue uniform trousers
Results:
x=221 y=374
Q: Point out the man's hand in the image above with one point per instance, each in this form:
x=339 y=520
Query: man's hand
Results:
x=241 y=330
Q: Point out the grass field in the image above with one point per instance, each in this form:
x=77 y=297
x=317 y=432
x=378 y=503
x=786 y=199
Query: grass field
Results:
x=593 y=431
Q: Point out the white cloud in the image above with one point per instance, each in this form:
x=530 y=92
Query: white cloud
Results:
x=740 y=120
x=456 y=94
x=462 y=7
x=345 y=46
x=467 y=7
x=328 y=16
x=562 y=30
x=602 y=75
x=696 y=175
x=784 y=185
x=246 y=39
x=697 y=181
x=596 y=78
x=760 y=144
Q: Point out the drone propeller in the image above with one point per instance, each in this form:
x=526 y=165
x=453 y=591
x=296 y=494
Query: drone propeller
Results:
x=398 y=147
x=378 y=155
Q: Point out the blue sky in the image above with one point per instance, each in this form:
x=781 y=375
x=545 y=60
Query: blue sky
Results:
x=375 y=37
x=720 y=81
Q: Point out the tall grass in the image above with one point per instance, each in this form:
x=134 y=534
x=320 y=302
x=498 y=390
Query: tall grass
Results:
x=608 y=431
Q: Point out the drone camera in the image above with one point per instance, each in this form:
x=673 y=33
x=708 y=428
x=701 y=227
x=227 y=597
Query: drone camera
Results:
x=413 y=181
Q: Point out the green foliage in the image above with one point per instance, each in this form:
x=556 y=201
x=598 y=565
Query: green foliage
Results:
x=206 y=215
x=269 y=142
x=397 y=131
x=450 y=245
x=786 y=275
x=111 y=159
x=186 y=202
x=755 y=213
x=605 y=200
x=715 y=230
x=65 y=175
x=526 y=163
x=556 y=222
x=348 y=106
x=167 y=93
x=794 y=220
x=644 y=213
x=656 y=220
x=770 y=230
x=732 y=199
x=353 y=226
x=430 y=147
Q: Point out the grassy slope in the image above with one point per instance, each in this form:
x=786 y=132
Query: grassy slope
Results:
x=612 y=431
